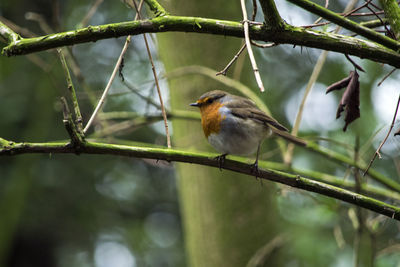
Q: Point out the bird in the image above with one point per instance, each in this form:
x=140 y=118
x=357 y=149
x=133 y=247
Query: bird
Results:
x=234 y=125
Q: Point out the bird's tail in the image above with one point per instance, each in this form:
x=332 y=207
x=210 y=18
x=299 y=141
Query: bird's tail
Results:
x=291 y=138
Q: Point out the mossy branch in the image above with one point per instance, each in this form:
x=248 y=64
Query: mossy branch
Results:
x=392 y=13
x=342 y=159
x=11 y=148
x=374 y=23
x=288 y=35
x=71 y=90
x=9 y=35
x=77 y=138
x=347 y=24
x=272 y=18
x=156 y=8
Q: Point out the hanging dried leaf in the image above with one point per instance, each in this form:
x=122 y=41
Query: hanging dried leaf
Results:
x=338 y=85
x=350 y=101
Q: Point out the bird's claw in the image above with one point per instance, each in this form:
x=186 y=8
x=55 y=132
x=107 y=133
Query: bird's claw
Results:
x=255 y=171
x=221 y=160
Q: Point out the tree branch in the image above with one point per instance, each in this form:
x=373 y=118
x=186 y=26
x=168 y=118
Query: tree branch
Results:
x=8 y=34
x=374 y=23
x=392 y=13
x=271 y=15
x=71 y=90
x=288 y=35
x=77 y=138
x=342 y=159
x=347 y=24
x=156 y=8
x=11 y=148
x=333 y=180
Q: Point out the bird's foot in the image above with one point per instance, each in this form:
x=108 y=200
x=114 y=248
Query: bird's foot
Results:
x=221 y=160
x=255 y=171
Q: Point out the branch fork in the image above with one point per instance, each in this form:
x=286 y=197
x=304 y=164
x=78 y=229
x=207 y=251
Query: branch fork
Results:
x=77 y=137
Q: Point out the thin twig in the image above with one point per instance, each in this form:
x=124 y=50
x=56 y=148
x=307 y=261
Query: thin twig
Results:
x=136 y=92
x=71 y=89
x=375 y=6
x=384 y=140
x=108 y=86
x=374 y=23
x=388 y=31
x=114 y=73
x=386 y=76
x=321 y=18
x=153 y=68
x=249 y=49
x=356 y=66
x=254 y=14
x=363 y=14
x=253 y=17
x=346 y=14
x=223 y=72
x=315 y=24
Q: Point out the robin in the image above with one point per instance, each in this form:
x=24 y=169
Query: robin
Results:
x=235 y=125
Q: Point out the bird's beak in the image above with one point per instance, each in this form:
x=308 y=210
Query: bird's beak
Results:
x=194 y=104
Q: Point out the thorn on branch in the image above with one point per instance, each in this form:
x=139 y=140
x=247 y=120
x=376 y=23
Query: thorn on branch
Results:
x=120 y=69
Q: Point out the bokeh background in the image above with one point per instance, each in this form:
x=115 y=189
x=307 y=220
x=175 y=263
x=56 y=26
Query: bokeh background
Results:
x=103 y=211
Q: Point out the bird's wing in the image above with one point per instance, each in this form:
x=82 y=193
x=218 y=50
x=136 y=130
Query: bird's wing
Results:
x=258 y=115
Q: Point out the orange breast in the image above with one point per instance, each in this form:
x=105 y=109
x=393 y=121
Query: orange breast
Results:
x=211 y=118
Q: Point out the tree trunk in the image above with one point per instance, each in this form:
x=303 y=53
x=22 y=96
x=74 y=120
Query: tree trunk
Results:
x=227 y=217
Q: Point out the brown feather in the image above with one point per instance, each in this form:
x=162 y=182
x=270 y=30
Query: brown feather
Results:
x=289 y=137
x=245 y=108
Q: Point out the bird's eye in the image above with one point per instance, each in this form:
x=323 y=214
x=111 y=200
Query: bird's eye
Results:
x=210 y=100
